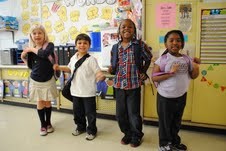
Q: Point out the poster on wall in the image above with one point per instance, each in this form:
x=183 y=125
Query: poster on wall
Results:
x=8 y=87
x=109 y=37
x=105 y=89
x=30 y=13
x=64 y=20
x=166 y=15
x=185 y=19
x=17 y=88
x=25 y=88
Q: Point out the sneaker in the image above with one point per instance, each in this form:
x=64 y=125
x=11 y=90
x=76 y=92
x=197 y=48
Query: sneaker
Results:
x=125 y=140
x=135 y=142
x=179 y=147
x=50 y=129
x=77 y=132
x=43 y=131
x=90 y=137
x=165 y=148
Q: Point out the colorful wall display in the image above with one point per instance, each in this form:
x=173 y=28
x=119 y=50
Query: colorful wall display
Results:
x=212 y=82
x=65 y=19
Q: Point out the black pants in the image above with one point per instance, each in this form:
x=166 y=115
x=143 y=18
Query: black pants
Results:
x=128 y=112
x=85 y=107
x=170 y=112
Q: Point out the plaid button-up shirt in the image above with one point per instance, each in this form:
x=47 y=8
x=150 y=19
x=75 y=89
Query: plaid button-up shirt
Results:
x=127 y=76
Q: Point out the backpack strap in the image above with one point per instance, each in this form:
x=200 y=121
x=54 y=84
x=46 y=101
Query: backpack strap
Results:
x=140 y=63
x=137 y=55
x=114 y=59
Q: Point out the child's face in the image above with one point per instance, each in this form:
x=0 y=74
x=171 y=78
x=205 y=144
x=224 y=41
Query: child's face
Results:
x=38 y=36
x=174 y=43
x=82 y=46
x=127 y=29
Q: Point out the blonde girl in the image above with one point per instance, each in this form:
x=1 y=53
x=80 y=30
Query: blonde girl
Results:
x=42 y=83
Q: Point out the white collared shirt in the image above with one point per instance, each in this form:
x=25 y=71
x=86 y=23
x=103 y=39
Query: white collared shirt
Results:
x=84 y=81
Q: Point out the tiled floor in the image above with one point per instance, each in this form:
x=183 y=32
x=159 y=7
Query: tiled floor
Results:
x=19 y=131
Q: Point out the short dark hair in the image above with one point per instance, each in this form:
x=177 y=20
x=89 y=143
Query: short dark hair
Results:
x=83 y=37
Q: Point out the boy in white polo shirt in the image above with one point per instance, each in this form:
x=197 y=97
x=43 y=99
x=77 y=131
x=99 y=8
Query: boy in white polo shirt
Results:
x=83 y=88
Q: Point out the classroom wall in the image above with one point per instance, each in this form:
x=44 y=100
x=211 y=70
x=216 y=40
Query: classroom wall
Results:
x=154 y=34
x=205 y=100
x=209 y=99
x=64 y=20
x=206 y=94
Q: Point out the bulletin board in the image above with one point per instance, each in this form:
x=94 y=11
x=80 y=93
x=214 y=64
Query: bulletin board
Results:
x=65 y=19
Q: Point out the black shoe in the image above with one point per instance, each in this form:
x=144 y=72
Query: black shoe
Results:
x=135 y=142
x=179 y=147
x=125 y=140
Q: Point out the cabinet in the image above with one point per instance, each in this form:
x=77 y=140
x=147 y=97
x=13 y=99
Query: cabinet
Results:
x=105 y=104
x=210 y=87
x=18 y=57
x=210 y=96
x=21 y=72
x=150 y=105
x=14 y=76
x=18 y=77
x=205 y=100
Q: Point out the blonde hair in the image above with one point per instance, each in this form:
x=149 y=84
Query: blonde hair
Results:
x=37 y=27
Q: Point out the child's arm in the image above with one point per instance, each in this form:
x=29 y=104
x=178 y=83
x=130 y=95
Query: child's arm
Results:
x=163 y=75
x=24 y=57
x=62 y=68
x=110 y=70
x=195 y=72
x=31 y=49
x=100 y=76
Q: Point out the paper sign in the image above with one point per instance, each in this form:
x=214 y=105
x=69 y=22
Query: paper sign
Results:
x=166 y=15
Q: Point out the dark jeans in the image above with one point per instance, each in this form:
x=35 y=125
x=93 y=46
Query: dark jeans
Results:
x=170 y=112
x=85 y=107
x=128 y=112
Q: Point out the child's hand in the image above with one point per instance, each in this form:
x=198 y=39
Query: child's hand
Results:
x=197 y=60
x=195 y=65
x=55 y=67
x=110 y=69
x=31 y=49
x=28 y=49
x=174 y=68
x=100 y=76
x=23 y=54
x=143 y=76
